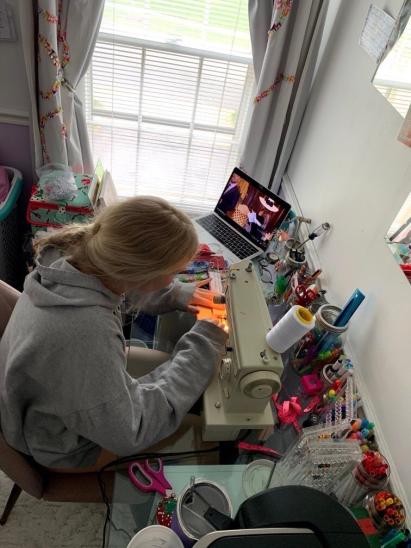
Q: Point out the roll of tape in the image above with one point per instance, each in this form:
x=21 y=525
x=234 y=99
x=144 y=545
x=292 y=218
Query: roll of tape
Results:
x=295 y=324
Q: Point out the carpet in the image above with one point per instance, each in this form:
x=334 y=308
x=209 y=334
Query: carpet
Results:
x=38 y=524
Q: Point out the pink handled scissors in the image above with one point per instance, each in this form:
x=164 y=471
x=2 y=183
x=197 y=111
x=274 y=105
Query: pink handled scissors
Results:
x=154 y=478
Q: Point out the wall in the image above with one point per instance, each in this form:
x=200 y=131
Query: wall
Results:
x=348 y=168
x=15 y=140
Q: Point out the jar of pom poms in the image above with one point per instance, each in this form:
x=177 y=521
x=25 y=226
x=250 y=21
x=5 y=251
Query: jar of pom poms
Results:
x=386 y=510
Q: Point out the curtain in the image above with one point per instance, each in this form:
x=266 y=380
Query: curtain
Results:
x=65 y=32
x=285 y=36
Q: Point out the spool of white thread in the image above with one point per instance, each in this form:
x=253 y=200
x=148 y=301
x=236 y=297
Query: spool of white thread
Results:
x=295 y=324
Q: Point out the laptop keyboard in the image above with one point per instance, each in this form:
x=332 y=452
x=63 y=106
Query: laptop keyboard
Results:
x=228 y=237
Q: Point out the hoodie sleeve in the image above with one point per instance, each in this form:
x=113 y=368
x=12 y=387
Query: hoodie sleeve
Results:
x=174 y=297
x=150 y=408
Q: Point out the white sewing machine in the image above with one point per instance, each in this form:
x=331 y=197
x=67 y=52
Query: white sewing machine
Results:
x=249 y=374
x=240 y=393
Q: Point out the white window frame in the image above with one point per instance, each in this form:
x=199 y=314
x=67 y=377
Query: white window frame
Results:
x=143 y=45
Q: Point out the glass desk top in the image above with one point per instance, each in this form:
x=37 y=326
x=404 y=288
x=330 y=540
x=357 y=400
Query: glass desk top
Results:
x=132 y=510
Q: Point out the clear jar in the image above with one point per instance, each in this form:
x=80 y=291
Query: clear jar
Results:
x=353 y=488
x=386 y=510
x=322 y=345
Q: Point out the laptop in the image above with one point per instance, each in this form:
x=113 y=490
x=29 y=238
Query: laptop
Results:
x=244 y=220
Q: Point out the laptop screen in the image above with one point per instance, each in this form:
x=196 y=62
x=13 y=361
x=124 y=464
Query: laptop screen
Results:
x=251 y=208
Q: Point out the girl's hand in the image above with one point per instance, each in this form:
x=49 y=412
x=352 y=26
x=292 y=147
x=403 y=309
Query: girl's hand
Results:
x=204 y=297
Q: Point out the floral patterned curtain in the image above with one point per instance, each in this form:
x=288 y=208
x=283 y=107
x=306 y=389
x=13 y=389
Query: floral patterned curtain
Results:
x=67 y=32
x=285 y=37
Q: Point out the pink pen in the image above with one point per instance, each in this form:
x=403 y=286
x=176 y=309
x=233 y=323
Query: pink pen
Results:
x=259 y=449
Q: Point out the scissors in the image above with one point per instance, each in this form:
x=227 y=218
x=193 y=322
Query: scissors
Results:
x=155 y=479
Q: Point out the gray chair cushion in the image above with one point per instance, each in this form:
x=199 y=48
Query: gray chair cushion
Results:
x=8 y=298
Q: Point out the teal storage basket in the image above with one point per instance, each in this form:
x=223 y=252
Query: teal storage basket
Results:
x=12 y=262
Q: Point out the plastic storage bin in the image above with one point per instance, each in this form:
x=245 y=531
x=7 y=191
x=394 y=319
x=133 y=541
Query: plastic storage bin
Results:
x=12 y=263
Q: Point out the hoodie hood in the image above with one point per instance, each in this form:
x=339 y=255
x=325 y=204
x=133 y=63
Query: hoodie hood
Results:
x=55 y=282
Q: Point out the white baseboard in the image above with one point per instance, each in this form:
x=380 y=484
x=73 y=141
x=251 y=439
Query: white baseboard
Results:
x=12 y=116
x=313 y=260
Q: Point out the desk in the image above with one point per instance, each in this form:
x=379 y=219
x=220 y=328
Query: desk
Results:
x=133 y=510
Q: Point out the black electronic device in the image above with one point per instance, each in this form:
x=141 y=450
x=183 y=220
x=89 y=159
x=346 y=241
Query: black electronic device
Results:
x=292 y=516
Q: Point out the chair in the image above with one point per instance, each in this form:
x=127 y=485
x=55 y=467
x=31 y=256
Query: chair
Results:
x=29 y=476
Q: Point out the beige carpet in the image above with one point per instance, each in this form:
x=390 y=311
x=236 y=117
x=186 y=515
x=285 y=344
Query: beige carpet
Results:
x=39 y=524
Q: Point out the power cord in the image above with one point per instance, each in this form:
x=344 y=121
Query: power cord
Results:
x=140 y=456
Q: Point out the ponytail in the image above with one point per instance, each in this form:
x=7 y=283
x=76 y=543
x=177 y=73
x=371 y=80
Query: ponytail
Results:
x=67 y=239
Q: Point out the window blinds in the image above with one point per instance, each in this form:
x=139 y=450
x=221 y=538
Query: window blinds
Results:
x=393 y=78
x=167 y=94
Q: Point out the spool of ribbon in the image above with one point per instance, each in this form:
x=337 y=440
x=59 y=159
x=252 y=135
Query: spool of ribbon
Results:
x=296 y=323
x=288 y=411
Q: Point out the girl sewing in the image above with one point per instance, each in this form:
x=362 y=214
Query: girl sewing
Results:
x=66 y=397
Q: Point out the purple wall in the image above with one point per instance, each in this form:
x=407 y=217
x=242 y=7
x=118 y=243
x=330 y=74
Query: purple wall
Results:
x=15 y=150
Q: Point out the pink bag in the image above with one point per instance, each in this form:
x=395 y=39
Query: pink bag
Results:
x=4 y=184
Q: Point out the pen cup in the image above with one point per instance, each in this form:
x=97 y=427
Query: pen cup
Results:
x=386 y=510
x=323 y=345
x=352 y=489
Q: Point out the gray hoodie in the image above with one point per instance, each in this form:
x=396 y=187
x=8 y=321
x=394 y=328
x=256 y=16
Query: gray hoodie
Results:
x=64 y=390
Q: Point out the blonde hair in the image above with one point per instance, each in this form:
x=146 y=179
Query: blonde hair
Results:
x=130 y=241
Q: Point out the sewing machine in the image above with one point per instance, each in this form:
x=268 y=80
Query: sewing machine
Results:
x=240 y=393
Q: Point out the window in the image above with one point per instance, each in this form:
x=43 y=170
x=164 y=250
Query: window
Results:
x=167 y=94
x=393 y=77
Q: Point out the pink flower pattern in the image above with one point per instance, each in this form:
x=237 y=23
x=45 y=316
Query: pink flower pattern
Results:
x=282 y=10
x=59 y=64
x=280 y=78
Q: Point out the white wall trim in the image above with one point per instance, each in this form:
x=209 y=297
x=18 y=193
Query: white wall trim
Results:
x=291 y=197
x=13 y=116
x=314 y=261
